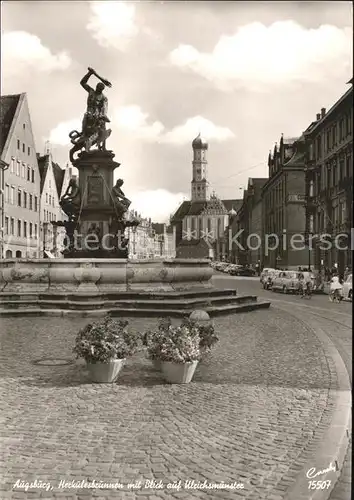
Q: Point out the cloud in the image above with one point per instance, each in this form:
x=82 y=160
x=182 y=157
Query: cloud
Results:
x=133 y=119
x=282 y=52
x=112 y=24
x=60 y=134
x=21 y=50
x=158 y=204
x=183 y=134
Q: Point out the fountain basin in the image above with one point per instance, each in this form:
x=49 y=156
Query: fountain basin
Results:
x=103 y=275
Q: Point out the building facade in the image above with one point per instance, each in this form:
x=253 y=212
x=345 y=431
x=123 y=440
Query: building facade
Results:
x=20 y=201
x=54 y=182
x=200 y=222
x=150 y=240
x=283 y=208
x=248 y=222
x=329 y=184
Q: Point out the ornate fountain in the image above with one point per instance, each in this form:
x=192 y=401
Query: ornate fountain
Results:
x=95 y=276
x=95 y=208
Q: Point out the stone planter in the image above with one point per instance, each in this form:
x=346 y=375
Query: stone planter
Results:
x=178 y=373
x=156 y=364
x=105 y=373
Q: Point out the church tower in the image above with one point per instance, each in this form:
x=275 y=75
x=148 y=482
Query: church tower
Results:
x=200 y=185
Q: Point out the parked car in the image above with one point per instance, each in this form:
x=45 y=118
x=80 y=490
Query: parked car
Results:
x=287 y=281
x=234 y=269
x=348 y=288
x=269 y=278
x=264 y=274
x=246 y=271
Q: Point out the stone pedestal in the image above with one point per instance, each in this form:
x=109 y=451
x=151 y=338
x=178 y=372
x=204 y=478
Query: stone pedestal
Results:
x=100 y=229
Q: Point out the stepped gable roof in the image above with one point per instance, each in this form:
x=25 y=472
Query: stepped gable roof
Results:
x=59 y=174
x=43 y=163
x=8 y=106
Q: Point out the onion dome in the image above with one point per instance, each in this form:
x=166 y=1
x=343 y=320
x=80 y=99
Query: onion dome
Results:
x=232 y=212
x=199 y=143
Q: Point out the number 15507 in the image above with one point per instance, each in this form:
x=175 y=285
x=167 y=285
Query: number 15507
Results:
x=319 y=485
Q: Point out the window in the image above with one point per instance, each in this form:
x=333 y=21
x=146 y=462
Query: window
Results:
x=25 y=229
x=50 y=200
x=23 y=170
x=341 y=170
x=24 y=199
x=18 y=168
x=28 y=173
x=19 y=198
x=318 y=147
x=12 y=168
x=31 y=230
x=35 y=231
x=46 y=197
x=18 y=144
x=7 y=193
x=32 y=175
x=23 y=148
x=30 y=202
x=50 y=184
x=333 y=135
x=29 y=151
x=6 y=225
x=18 y=227
x=341 y=130
x=12 y=226
x=24 y=126
x=334 y=175
x=347 y=166
x=348 y=128
x=12 y=197
x=36 y=204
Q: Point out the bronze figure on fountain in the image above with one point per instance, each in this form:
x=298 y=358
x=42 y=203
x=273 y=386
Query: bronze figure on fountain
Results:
x=71 y=200
x=94 y=130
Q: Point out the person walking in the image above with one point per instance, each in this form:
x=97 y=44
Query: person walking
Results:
x=335 y=291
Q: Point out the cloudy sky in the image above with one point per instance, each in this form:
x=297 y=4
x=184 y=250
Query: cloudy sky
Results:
x=241 y=73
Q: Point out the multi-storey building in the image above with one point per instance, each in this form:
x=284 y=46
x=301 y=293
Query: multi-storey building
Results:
x=249 y=220
x=54 y=181
x=20 y=182
x=200 y=222
x=165 y=239
x=329 y=186
x=283 y=207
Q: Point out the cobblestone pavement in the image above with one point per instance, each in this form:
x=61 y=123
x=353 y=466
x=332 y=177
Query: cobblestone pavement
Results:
x=248 y=416
x=336 y=321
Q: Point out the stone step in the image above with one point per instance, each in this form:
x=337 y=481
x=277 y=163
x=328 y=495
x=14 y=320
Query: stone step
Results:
x=187 y=303
x=129 y=311
x=117 y=295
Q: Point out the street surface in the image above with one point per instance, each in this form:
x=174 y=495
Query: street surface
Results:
x=334 y=319
x=248 y=417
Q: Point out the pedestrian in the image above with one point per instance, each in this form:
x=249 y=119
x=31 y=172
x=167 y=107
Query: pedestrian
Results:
x=346 y=273
x=335 y=288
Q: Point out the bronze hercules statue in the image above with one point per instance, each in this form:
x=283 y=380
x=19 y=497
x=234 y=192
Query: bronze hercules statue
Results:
x=94 y=132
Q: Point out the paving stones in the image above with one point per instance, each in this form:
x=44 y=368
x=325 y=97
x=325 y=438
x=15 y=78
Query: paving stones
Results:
x=246 y=417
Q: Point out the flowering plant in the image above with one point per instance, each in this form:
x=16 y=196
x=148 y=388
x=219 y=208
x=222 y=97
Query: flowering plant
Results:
x=179 y=344
x=105 y=340
x=208 y=337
